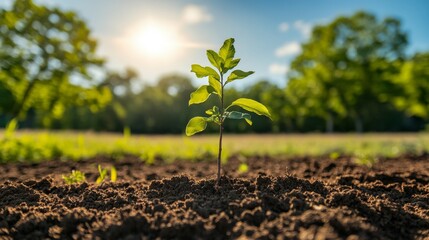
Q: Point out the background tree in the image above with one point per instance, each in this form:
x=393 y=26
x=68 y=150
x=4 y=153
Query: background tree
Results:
x=351 y=74
x=276 y=100
x=161 y=108
x=257 y=92
x=414 y=82
x=349 y=66
x=47 y=56
x=113 y=117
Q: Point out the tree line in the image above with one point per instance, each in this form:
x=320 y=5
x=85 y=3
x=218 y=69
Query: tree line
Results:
x=353 y=74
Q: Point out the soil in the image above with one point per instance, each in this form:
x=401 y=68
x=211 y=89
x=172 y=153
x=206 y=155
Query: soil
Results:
x=278 y=198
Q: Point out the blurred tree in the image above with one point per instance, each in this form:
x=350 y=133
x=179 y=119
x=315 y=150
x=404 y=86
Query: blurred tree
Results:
x=120 y=83
x=113 y=117
x=47 y=55
x=350 y=74
x=161 y=108
x=276 y=101
x=347 y=68
x=414 y=81
x=302 y=104
x=7 y=97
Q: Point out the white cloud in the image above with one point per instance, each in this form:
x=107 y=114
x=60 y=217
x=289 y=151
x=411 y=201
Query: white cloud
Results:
x=193 y=14
x=278 y=69
x=283 y=27
x=303 y=27
x=290 y=48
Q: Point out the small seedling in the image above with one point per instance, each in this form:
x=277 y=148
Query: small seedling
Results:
x=334 y=155
x=103 y=174
x=366 y=160
x=243 y=168
x=74 y=177
x=223 y=61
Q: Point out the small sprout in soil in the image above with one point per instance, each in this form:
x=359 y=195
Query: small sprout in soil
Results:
x=75 y=176
x=243 y=168
x=103 y=174
x=365 y=159
x=149 y=156
x=223 y=61
x=334 y=155
x=113 y=174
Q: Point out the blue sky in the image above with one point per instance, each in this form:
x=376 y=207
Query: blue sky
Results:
x=268 y=33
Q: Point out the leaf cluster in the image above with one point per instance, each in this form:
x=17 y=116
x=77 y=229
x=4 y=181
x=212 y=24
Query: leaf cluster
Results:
x=222 y=62
x=75 y=176
x=103 y=174
x=78 y=177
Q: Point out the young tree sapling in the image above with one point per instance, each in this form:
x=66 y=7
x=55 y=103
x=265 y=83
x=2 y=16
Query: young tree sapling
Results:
x=222 y=61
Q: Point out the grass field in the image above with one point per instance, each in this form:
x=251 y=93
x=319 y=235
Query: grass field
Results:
x=42 y=145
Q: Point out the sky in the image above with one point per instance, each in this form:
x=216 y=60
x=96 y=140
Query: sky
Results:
x=167 y=36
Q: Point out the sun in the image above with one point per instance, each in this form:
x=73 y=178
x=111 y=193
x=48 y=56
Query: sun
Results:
x=155 y=40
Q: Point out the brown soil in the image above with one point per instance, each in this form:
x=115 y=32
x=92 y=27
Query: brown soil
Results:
x=298 y=198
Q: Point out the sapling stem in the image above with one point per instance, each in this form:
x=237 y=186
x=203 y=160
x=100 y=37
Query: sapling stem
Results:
x=219 y=157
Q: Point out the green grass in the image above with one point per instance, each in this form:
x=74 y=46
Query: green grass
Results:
x=41 y=145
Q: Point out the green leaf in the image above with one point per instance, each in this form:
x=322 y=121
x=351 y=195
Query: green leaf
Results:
x=204 y=71
x=248 y=121
x=215 y=60
x=216 y=85
x=213 y=111
x=251 y=106
x=240 y=115
x=195 y=125
x=100 y=170
x=238 y=74
x=237 y=115
x=201 y=94
x=113 y=174
x=230 y=64
x=99 y=180
x=227 y=51
x=214 y=115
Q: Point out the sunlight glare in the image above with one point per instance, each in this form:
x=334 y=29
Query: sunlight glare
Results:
x=155 y=40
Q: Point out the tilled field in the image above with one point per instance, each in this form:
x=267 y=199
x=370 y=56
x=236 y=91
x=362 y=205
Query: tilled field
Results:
x=295 y=198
